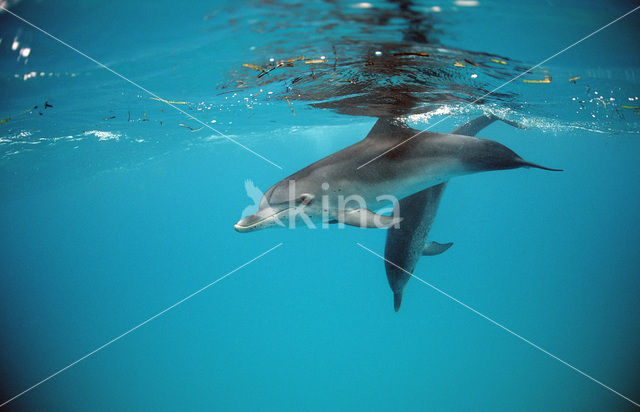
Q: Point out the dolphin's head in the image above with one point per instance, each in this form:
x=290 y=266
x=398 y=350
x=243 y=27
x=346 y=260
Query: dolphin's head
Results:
x=282 y=205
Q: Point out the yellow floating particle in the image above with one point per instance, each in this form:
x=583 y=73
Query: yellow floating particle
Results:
x=573 y=79
x=315 y=61
x=5 y=120
x=290 y=105
x=458 y=64
x=412 y=54
x=295 y=59
x=636 y=109
x=252 y=66
x=547 y=79
x=166 y=101
x=498 y=61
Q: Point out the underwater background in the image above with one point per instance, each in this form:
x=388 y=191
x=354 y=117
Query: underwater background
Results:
x=114 y=206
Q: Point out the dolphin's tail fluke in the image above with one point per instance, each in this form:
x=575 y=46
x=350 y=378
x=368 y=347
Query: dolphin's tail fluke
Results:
x=397 y=300
x=524 y=163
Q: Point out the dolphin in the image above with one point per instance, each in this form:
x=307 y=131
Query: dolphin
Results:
x=406 y=243
x=406 y=161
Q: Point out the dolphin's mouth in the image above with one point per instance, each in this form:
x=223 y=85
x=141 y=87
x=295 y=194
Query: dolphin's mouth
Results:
x=261 y=220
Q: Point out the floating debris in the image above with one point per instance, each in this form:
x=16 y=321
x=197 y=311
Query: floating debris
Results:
x=498 y=61
x=265 y=72
x=27 y=111
x=547 y=79
x=412 y=54
x=252 y=66
x=230 y=91
x=166 y=101
x=458 y=64
x=471 y=63
x=315 y=61
x=573 y=79
x=191 y=128
x=109 y=118
x=290 y=105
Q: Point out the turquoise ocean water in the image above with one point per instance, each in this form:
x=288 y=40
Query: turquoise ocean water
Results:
x=115 y=206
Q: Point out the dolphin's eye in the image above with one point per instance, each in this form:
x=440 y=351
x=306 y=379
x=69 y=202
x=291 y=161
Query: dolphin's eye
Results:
x=305 y=199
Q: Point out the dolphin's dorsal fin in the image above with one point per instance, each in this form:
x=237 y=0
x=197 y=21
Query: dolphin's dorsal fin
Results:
x=435 y=248
x=389 y=128
x=472 y=127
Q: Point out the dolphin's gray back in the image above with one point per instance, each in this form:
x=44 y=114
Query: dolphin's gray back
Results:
x=393 y=152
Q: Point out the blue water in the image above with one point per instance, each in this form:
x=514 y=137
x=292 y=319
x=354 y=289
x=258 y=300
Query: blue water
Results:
x=111 y=211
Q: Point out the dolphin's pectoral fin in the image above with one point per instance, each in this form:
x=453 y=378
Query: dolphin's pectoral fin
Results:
x=367 y=219
x=435 y=248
